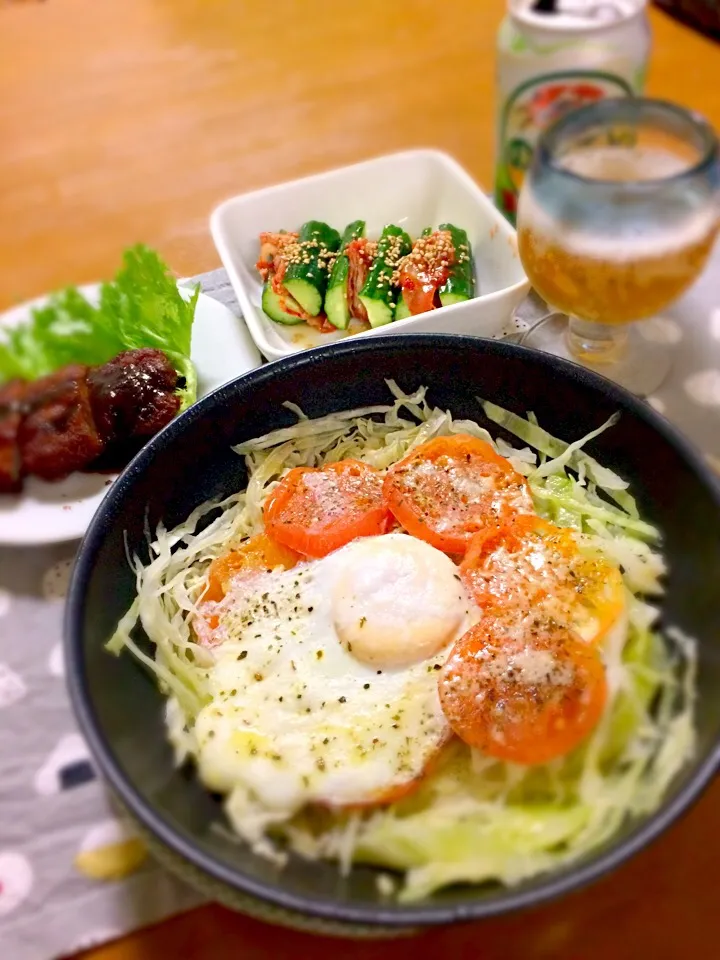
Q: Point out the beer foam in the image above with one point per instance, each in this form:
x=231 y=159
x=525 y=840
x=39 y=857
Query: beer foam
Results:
x=624 y=239
x=620 y=165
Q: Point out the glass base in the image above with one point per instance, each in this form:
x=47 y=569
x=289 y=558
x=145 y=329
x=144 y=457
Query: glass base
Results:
x=637 y=363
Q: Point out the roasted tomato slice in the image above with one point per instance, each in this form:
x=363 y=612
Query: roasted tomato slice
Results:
x=316 y=511
x=450 y=488
x=259 y=553
x=530 y=564
x=527 y=694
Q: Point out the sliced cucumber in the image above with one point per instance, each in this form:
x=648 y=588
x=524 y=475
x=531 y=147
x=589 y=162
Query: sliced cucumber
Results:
x=336 y=305
x=379 y=295
x=273 y=308
x=308 y=293
x=402 y=310
x=337 y=309
x=447 y=298
x=307 y=275
x=460 y=284
x=379 y=312
x=353 y=231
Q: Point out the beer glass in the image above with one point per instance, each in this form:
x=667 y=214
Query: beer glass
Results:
x=616 y=219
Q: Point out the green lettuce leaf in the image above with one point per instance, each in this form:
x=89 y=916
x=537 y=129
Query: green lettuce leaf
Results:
x=141 y=307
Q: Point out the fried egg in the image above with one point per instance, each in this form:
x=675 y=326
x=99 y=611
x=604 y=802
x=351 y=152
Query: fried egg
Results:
x=324 y=686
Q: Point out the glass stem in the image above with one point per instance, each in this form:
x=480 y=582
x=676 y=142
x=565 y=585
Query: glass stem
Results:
x=596 y=343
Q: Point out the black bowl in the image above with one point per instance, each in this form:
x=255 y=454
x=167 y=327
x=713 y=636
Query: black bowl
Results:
x=121 y=712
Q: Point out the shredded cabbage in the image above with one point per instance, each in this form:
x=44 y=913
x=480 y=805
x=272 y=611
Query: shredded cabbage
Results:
x=474 y=819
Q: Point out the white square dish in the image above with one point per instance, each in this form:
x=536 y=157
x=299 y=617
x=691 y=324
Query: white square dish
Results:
x=411 y=189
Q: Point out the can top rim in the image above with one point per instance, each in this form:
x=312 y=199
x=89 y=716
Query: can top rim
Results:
x=575 y=22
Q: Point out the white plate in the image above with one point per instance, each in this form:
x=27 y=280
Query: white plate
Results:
x=412 y=189
x=222 y=349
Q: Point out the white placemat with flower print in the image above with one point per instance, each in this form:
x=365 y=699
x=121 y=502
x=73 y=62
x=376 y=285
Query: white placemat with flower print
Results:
x=72 y=873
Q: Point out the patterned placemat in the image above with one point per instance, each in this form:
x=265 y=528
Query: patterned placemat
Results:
x=72 y=872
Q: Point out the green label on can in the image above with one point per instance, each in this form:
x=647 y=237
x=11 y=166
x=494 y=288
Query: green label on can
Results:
x=532 y=107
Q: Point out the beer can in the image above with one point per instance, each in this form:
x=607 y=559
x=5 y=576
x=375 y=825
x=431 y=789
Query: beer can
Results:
x=554 y=56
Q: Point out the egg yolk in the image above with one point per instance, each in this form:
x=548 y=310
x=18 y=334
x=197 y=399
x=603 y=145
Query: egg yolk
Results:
x=396 y=601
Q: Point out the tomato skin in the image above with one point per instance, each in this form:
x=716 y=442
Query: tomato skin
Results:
x=526 y=695
x=316 y=511
x=427 y=491
x=260 y=552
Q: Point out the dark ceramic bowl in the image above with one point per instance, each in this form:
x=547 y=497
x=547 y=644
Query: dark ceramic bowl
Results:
x=121 y=712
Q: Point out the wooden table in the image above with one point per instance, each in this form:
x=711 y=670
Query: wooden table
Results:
x=126 y=120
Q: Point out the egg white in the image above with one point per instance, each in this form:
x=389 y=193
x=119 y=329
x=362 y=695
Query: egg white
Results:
x=295 y=716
